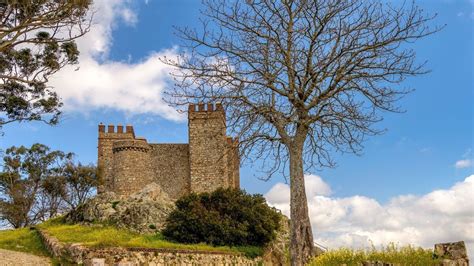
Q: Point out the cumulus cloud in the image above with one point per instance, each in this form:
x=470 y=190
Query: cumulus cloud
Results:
x=357 y=221
x=280 y=193
x=98 y=83
x=463 y=163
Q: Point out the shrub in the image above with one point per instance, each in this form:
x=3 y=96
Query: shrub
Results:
x=223 y=217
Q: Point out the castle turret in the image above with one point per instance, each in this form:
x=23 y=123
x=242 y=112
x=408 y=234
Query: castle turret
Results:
x=132 y=169
x=105 y=153
x=208 y=147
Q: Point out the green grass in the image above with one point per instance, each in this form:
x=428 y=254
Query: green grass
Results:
x=407 y=255
x=24 y=240
x=109 y=236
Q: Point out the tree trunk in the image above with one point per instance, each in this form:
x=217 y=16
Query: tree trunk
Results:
x=301 y=245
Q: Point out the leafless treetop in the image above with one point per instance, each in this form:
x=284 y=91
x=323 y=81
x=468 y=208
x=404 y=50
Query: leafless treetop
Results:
x=317 y=72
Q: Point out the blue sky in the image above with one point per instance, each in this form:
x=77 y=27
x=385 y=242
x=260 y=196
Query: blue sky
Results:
x=426 y=149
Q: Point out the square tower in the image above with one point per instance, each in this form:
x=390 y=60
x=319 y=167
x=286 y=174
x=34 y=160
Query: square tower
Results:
x=208 y=148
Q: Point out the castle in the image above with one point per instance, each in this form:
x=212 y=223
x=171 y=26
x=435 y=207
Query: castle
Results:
x=210 y=159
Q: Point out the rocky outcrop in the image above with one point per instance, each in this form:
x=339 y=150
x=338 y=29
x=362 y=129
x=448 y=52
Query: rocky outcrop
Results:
x=143 y=212
x=451 y=254
x=276 y=253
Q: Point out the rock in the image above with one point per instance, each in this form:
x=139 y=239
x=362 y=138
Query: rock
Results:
x=151 y=192
x=452 y=253
x=276 y=253
x=143 y=212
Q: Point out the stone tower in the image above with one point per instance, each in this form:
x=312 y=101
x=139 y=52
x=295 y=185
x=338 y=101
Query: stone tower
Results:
x=128 y=156
x=208 y=144
x=105 y=161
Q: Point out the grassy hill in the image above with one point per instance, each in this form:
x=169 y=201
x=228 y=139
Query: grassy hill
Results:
x=24 y=240
x=99 y=235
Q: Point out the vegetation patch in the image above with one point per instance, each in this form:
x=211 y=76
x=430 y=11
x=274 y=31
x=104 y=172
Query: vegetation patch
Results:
x=109 y=236
x=223 y=217
x=407 y=255
x=23 y=240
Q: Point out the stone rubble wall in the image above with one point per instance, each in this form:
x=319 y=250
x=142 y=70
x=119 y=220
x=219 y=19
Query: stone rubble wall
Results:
x=207 y=148
x=170 y=165
x=79 y=254
x=105 y=153
x=131 y=166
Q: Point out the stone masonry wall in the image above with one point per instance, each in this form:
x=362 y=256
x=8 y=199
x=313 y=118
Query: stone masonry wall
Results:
x=233 y=162
x=82 y=255
x=131 y=166
x=207 y=147
x=170 y=166
x=105 y=153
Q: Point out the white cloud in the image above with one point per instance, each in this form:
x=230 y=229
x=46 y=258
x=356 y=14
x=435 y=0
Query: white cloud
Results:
x=98 y=83
x=439 y=216
x=129 y=16
x=465 y=163
x=280 y=193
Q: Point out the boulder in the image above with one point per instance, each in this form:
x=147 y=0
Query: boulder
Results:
x=277 y=252
x=454 y=254
x=143 y=212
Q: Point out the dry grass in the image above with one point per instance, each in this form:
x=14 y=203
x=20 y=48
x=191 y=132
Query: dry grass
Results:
x=407 y=255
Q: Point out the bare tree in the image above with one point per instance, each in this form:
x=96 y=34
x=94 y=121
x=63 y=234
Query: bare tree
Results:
x=300 y=79
x=37 y=39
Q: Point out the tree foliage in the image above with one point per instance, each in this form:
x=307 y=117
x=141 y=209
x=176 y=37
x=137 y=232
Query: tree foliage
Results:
x=300 y=80
x=223 y=217
x=37 y=39
x=37 y=183
x=80 y=181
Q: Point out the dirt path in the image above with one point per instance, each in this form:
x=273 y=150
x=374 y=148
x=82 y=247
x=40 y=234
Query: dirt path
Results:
x=8 y=257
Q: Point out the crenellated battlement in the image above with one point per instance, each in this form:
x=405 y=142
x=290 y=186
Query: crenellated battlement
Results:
x=111 y=132
x=203 y=107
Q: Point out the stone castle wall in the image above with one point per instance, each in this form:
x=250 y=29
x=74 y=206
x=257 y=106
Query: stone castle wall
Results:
x=170 y=164
x=233 y=162
x=131 y=166
x=105 y=152
x=209 y=161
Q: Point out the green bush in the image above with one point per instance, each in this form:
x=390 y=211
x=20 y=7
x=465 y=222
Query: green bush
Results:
x=403 y=256
x=223 y=217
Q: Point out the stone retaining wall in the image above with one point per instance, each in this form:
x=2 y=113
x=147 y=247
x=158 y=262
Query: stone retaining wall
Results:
x=79 y=254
